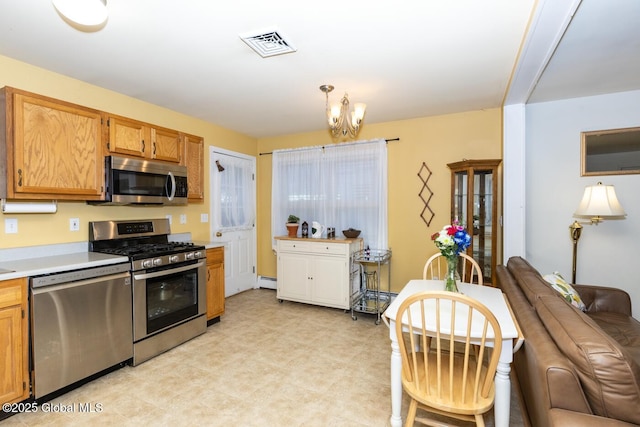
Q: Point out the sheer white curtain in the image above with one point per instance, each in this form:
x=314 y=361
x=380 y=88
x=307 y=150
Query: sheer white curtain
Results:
x=341 y=186
x=235 y=202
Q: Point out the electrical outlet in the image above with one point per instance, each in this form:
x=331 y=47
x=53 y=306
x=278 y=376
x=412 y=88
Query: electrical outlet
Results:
x=204 y=217
x=74 y=224
x=183 y=218
x=169 y=218
x=11 y=225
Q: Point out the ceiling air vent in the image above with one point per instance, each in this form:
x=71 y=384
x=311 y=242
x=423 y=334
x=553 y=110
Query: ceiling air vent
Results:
x=268 y=43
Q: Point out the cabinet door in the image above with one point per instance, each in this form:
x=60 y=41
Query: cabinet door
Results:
x=294 y=277
x=56 y=149
x=13 y=341
x=194 y=161
x=330 y=281
x=215 y=282
x=166 y=145
x=128 y=137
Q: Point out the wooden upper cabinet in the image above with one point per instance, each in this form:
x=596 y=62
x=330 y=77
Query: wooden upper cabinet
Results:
x=194 y=161
x=140 y=139
x=52 y=148
x=165 y=144
x=129 y=137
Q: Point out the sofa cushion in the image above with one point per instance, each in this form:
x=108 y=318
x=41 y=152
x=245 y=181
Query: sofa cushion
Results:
x=610 y=376
x=533 y=285
x=622 y=328
x=558 y=283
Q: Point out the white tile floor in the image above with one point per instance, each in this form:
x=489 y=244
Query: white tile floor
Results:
x=264 y=364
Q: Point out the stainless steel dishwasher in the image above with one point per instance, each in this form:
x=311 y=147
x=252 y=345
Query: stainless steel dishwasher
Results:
x=81 y=325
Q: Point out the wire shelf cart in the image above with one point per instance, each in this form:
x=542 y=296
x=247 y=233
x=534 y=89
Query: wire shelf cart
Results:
x=368 y=297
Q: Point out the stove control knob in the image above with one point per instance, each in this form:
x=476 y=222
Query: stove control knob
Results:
x=198 y=254
x=189 y=255
x=157 y=261
x=173 y=258
x=147 y=263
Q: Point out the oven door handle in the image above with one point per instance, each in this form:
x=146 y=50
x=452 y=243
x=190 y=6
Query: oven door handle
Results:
x=165 y=272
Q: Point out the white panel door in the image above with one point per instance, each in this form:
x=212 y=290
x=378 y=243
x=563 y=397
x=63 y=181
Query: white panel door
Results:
x=232 y=178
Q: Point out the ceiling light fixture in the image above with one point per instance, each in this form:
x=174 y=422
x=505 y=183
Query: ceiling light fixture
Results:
x=341 y=120
x=87 y=15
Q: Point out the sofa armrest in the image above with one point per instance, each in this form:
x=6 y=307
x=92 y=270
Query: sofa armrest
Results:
x=602 y=298
x=565 y=418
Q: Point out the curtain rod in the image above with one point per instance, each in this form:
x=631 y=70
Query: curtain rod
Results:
x=338 y=145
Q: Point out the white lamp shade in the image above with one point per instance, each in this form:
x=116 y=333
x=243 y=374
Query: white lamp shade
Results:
x=358 y=110
x=87 y=13
x=599 y=201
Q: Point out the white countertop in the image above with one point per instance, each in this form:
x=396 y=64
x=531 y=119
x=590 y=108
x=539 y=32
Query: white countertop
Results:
x=46 y=259
x=209 y=245
x=186 y=237
x=28 y=267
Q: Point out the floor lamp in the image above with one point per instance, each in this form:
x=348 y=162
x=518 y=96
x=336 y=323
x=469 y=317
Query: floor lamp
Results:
x=599 y=202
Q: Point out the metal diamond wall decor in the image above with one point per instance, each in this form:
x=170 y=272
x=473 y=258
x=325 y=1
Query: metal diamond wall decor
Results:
x=425 y=194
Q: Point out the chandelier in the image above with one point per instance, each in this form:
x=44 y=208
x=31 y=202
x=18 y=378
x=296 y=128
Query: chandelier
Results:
x=341 y=120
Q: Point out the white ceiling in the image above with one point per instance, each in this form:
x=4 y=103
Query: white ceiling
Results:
x=405 y=59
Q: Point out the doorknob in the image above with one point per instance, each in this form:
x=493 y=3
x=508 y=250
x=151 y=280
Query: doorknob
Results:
x=218 y=234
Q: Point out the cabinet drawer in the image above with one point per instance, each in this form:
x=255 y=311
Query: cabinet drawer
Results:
x=215 y=255
x=314 y=247
x=10 y=294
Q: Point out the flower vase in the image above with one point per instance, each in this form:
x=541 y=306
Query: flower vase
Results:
x=452 y=270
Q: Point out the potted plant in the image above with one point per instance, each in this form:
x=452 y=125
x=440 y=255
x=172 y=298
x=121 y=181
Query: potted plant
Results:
x=292 y=225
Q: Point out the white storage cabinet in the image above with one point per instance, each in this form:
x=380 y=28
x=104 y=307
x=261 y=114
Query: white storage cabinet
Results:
x=316 y=271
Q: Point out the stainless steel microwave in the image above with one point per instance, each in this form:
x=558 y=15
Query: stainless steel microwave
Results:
x=132 y=181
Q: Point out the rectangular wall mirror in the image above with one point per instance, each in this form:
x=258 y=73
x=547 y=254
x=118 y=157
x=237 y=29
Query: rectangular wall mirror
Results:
x=611 y=152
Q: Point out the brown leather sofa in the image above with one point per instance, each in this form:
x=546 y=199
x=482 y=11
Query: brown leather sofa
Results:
x=575 y=368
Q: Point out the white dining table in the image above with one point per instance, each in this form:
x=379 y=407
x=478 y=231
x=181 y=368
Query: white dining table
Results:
x=512 y=339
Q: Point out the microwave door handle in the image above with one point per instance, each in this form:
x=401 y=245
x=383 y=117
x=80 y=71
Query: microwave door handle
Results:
x=173 y=186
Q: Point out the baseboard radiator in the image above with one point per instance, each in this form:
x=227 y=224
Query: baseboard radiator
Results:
x=267 y=282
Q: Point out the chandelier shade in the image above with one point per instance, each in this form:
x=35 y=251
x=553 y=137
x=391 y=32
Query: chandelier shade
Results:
x=342 y=120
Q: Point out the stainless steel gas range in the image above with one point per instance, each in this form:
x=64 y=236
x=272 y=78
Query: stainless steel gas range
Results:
x=168 y=282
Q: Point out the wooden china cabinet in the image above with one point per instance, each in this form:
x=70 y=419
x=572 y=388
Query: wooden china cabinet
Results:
x=475 y=203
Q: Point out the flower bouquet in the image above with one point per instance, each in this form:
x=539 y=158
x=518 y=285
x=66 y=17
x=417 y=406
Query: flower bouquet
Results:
x=452 y=240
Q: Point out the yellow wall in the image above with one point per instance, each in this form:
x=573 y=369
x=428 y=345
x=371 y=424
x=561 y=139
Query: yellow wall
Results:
x=41 y=229
x=436 y=140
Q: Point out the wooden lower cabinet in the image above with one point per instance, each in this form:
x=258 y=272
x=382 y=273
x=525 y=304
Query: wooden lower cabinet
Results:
x=14 y=344
x=215 y=282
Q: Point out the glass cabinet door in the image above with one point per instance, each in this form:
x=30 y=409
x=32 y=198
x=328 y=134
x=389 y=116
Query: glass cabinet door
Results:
x=474 y=187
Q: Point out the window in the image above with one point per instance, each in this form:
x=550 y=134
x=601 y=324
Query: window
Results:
x=341 y=186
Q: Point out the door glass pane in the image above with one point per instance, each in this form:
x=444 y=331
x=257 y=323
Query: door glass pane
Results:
x=460 y=197
x=482 y=220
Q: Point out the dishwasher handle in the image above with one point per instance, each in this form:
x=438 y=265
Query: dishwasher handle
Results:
x=94 y=280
